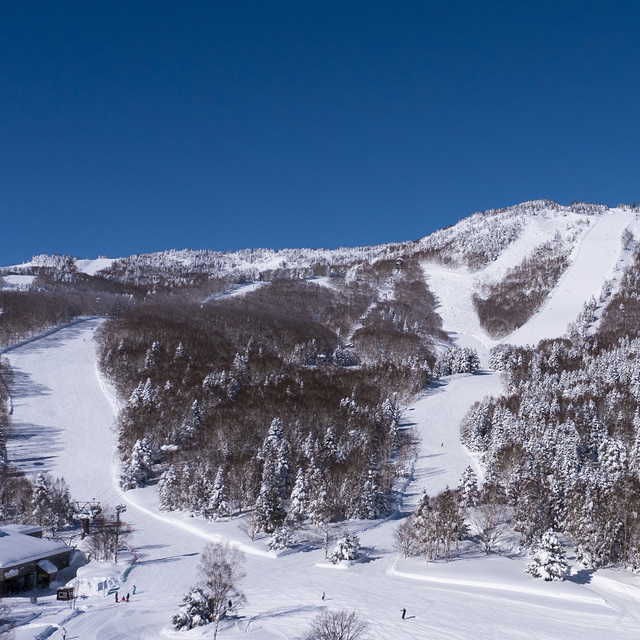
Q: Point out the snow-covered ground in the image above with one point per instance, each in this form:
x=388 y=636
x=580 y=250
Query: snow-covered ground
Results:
x=15 y=281
x=595 y=262
x=236 y=290
x=91 y=267
x=64 y=423
x=596 y=255
x=498 y=599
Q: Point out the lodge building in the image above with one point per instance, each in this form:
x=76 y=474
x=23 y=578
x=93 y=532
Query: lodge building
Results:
x=27 y=561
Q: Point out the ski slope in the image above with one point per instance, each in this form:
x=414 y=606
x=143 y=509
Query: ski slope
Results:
x=64 y=423
x=597 y=256
x=597 y=253
x=283 y=593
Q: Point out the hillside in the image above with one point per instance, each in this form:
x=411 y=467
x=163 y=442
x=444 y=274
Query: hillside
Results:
x=423 y=297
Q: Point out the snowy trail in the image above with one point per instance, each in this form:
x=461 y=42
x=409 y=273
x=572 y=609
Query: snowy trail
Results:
x=436 y=417
x=598 y=252
x=61 y=396
x=595 y=262
x=62 y=421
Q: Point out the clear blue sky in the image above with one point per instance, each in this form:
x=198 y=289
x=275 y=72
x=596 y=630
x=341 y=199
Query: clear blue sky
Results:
x=129 y=127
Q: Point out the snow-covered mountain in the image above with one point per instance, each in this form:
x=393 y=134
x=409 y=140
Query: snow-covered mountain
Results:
x=552 y=270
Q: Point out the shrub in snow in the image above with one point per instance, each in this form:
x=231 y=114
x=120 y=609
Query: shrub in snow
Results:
x=195 y=610
x=347 y=548
x=281 y=538
x=331 y=625
x=549 y=560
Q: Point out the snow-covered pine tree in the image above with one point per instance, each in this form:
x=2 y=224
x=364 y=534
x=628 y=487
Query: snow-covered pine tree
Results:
x=549 y=561
x=299 y=497
x=469 y=488
x=372 y=502
x=274 y=454
x=347 y=548
x=193 y=423
x=318 y=508
x=137 y=470
x=218 y=503
x=41 y=502
x=269 y=509
x=282 y=538
x=195 y=610
x=168 y=490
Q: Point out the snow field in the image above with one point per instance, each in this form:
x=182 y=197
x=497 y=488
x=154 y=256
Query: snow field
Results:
x=596 y=254
x=64 y=422
x=284 y=593
x=594 y=262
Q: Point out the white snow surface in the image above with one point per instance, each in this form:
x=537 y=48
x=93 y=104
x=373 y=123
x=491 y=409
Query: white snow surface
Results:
x=595 y=261
x=91 y=267
x=597 y=251
x=16 y=281
x=64 y=423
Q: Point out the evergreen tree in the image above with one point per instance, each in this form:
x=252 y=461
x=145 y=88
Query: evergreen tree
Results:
x=281 y=538
x=137 y=470
x=469 y=488
x=274 y=454
x=196 y=610
x=372 y=502
x=168 y=488
x=549 y=560
x=269 y=509
x=299 y=497
x=318 y=509
x=41 y=502
x=218 y=504
x=347 y=548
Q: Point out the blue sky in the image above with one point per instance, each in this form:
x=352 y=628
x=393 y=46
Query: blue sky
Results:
x=130 y=127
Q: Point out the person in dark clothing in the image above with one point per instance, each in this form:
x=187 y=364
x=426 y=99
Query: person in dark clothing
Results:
x=127 y=597
x=116 y=596
x=404 y=613
x=323 y=594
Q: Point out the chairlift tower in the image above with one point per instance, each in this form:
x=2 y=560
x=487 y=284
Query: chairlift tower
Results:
x=120 y=508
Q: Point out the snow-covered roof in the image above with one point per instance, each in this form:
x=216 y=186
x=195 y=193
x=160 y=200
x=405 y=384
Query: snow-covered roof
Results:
x=48 y=567
x=26 y=529
x=16 y=548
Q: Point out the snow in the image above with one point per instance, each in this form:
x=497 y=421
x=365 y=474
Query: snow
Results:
x=236 y=290
x=63 y=419
x=15 y=281
x=64 y=423
x=598 y=250
x=91 y=267
x=436 y=418
x=18 y=548
x=595 y=262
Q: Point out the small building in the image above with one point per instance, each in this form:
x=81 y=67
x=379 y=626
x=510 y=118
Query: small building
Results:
x=27 y=561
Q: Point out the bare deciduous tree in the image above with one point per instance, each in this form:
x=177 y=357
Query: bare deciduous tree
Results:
x=221 y=571
x=405 y=537
x=109 y=537
x=337 y=625
x=249 y=526
x=490 y=521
